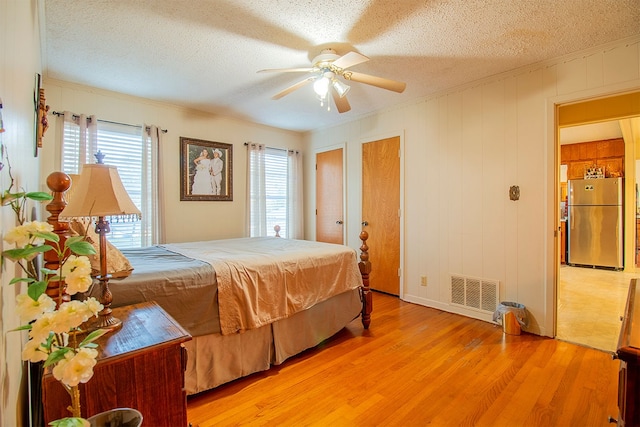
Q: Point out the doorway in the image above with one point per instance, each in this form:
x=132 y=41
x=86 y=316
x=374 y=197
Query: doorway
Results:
x=590 y=301
x=381 y=211
x=330 y=196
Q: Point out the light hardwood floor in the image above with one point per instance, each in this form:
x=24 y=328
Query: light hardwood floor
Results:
x=419 y=366
x=590 y=303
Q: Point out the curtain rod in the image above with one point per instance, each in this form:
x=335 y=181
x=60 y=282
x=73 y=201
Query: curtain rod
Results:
x=246 y=144
x=75 y=116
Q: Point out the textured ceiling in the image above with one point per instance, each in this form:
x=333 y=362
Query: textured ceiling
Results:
x=204 y=54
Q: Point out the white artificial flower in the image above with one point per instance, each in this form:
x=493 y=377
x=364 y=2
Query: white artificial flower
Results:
x=71 y=314
x=76 y=368
x=34 y=352
x=93 y=305
x=29 y=310
x=77 y=282
x=79 y=265
x=37 y=227
x=47 y=323
x=18 y=235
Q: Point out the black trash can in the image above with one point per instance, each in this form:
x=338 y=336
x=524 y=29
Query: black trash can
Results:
x=119 y=417
x=513 y=316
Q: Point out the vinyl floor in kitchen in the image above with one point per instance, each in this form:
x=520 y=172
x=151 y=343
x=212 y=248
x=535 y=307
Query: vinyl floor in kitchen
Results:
x=590 y=304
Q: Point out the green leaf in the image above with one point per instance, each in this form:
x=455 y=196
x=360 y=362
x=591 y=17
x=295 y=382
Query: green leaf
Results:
x=22 y=328
x=8 y=198
x=45 y=270
x=92 y=337
x=22 y=279
x=74 y=239
x=81 y=247
x=49 y=341
x=25 y=253
x=47 y=235
x=44 y=248
x=14 y=254
x=36 y=289
x=39 y=196
x=56 y=356
x=68 y=422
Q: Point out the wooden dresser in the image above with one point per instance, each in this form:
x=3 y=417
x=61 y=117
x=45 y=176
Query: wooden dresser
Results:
x=140 y=366
x=629 y=354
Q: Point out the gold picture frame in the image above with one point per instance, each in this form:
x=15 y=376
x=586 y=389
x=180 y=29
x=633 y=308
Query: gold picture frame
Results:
x=206 y=170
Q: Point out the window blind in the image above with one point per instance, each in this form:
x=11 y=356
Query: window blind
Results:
x=123 y=147
x=276 y=189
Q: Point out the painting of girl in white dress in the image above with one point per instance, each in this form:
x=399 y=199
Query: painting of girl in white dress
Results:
x=206 y=170
x=202 y=180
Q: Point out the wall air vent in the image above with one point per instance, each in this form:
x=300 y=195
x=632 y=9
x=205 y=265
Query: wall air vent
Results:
x=478 y=294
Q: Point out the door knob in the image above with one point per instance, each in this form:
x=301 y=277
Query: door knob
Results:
x=339 y=222
x=365 y=223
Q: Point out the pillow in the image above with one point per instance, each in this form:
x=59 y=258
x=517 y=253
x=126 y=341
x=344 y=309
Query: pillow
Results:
x=117 y=264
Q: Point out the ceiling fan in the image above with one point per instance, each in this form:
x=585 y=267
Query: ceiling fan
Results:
x=325 y=70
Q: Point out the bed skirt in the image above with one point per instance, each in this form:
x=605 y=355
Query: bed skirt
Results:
x=216 y=359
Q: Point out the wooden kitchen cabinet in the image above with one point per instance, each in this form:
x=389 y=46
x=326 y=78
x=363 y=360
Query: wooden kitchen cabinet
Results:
x=140 y=366
x=608 y=154
x=613 y=167
x=576 y=169
x=610 y=148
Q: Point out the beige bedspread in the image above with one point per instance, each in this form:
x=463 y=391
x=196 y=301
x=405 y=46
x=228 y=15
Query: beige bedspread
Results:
x=264 y=279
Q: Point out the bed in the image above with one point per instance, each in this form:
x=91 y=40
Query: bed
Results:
x=249 y=303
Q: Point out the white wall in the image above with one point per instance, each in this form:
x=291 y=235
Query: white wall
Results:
x=19 y=62
x=184 y=220
x=463 y=149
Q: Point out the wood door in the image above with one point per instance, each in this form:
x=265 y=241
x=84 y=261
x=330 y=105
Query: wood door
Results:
x=381 y=211
x=329 y=197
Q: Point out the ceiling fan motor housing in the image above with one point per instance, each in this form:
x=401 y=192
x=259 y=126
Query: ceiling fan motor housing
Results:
x=326 y=57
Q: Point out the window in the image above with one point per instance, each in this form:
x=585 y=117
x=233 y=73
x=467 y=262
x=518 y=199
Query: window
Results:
x=274 y=191
x=275 y=171
x=125 y=147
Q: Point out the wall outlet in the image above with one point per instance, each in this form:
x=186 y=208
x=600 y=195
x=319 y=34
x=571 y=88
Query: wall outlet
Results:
x=423 y=280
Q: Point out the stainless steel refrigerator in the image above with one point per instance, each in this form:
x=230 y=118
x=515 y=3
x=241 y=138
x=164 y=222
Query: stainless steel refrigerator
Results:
x=595 y=222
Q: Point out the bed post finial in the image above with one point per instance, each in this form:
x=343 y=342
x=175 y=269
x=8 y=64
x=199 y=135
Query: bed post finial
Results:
x=58 y=183
x=365 y=291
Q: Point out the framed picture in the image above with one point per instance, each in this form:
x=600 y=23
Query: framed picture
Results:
x=41 y=113
x=36 y=104
x=206 y=170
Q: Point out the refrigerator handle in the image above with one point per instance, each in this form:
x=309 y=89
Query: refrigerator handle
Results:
x=570 y=222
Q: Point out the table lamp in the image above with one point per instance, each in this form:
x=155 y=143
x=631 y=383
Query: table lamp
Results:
x=99 y=194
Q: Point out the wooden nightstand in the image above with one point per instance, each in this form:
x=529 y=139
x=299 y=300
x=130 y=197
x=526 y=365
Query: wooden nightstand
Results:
x=140 y=366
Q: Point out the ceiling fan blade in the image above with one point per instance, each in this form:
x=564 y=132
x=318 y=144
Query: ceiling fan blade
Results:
x=285 y=70
x=341 y=102
x=380 y=82
x=293 y=87
x=349 y=60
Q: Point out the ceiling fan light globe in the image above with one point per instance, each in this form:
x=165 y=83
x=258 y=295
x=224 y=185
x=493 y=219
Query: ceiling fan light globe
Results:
x=340 y=87
x=321 y=87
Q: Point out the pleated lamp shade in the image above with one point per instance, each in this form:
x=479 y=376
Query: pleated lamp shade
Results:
x=75 y=183
x=99 y=192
